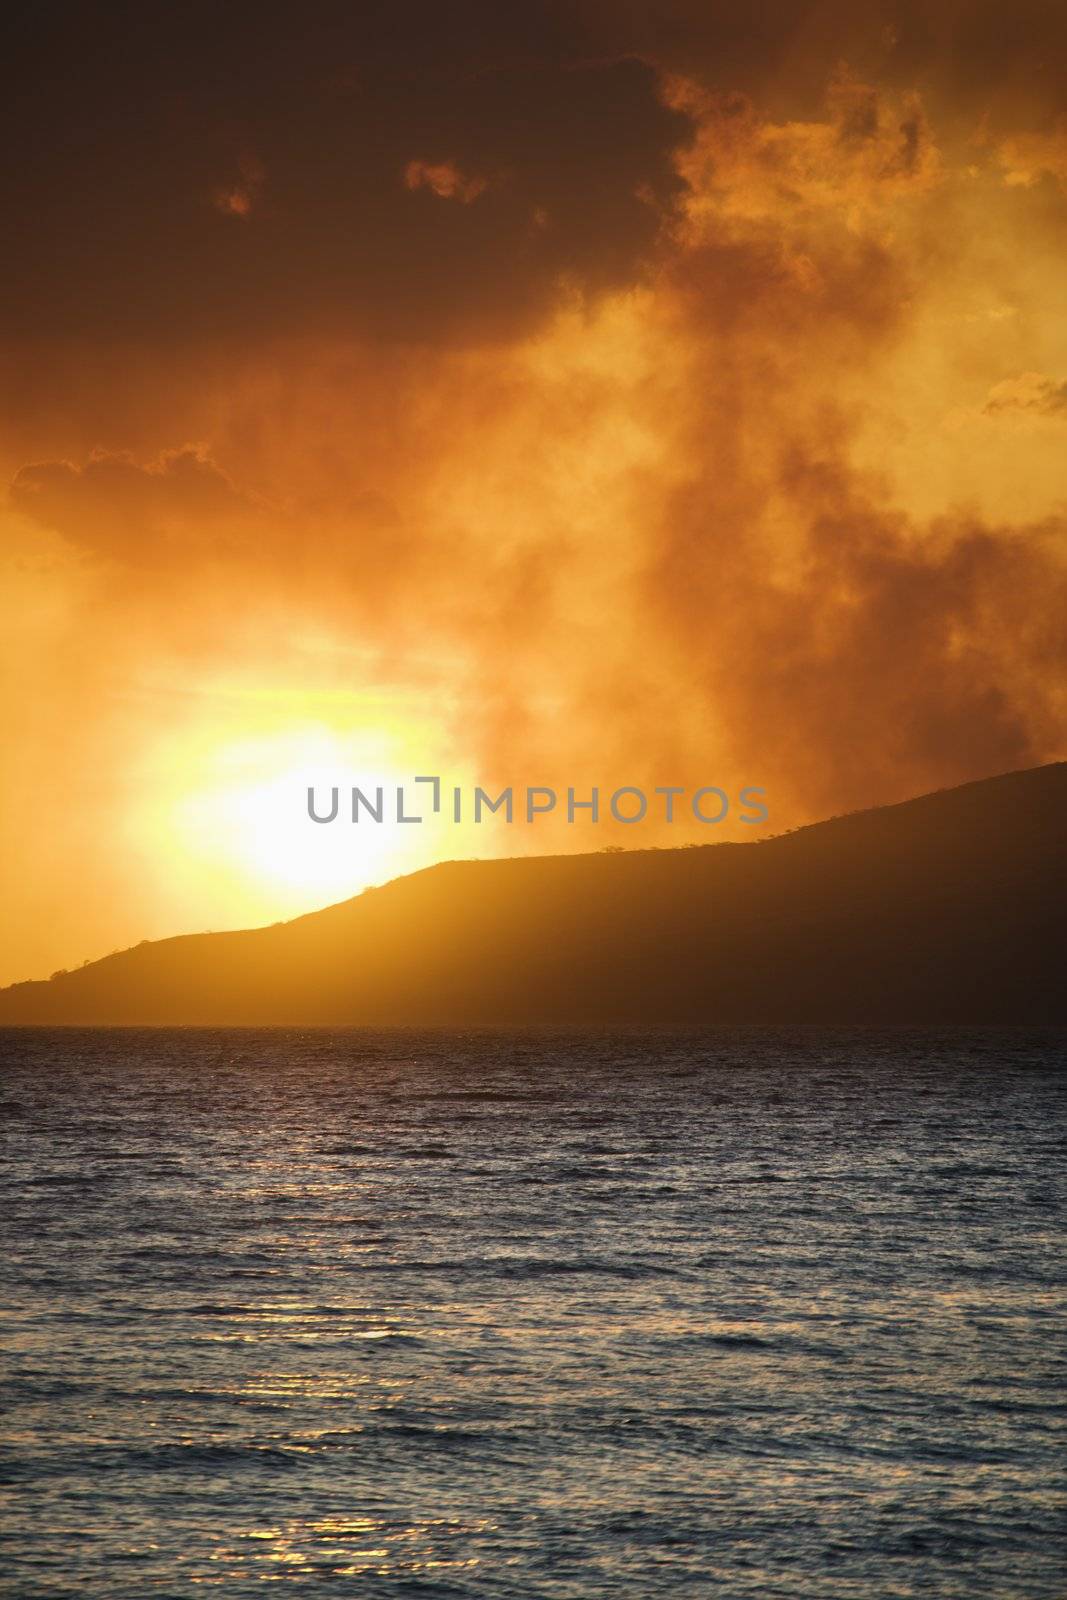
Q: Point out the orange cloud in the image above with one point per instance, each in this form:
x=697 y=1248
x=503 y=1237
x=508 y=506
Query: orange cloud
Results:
x=1027 y=157
x=869 y=150
x=1030 y=392
x=444 y=179
x=118 y=509
x=240 y=198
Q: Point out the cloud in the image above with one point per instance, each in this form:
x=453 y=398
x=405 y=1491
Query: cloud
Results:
x=445 y=180
x=130 y=235
x=241 y=196
x=114 y=508
x=881 y=658
x=1026 y=158
x=867 y=150
x=1031 y=392
x=634 y=536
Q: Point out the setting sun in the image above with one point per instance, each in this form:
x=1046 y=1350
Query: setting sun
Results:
x=233 y=812
x=255 y=819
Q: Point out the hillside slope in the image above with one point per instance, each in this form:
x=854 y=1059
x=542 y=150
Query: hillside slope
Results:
x=946 y=908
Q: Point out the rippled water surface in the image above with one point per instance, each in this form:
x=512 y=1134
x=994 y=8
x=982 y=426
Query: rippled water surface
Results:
x=755 y=1313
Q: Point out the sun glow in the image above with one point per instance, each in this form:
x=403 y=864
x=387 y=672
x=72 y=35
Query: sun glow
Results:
x=232 y=811
x=254 y=814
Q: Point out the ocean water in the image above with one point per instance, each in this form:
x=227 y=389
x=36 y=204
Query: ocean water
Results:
x=773 y=1313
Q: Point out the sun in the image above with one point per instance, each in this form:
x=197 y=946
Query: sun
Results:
x=222 y=821
x=252 y=816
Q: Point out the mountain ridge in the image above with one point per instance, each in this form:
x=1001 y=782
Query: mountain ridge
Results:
x=948 y=907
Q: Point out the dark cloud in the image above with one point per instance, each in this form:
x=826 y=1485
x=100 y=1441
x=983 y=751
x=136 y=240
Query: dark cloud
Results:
x=972 y=58
x=193 y=172
x=206 y=173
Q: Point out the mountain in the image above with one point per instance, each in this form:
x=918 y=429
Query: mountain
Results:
x=948 y=908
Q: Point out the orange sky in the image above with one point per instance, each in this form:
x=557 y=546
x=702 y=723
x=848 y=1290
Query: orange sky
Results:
x=608 y=395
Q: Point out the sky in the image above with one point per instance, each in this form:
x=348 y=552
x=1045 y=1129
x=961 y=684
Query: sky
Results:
x=582 y=394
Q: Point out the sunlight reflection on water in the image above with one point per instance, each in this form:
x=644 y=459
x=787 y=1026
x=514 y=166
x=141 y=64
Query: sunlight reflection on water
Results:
x=484 y=1315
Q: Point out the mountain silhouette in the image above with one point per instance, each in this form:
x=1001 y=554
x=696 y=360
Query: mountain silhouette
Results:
x=947 y=908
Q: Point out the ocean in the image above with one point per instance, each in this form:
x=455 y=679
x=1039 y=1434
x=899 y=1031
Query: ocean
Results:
x=739 y=1312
